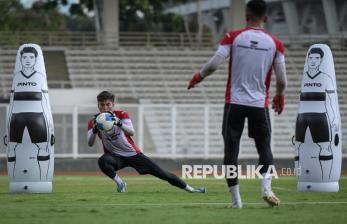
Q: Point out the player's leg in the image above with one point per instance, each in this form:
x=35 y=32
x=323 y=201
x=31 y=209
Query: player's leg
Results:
x=109 y=164
x=260 y=129
x=233 y=123
x=145 y=165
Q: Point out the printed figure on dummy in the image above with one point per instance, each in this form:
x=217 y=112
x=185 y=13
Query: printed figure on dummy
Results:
x=318 y=125
x=30 y=134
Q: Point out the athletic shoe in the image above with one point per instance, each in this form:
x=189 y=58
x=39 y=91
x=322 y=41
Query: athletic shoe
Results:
x=237 y=204
x=271 y=198
x=122 y=187
x=201 y=190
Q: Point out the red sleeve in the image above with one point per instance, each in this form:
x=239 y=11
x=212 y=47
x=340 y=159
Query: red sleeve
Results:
x=279 y=45
x=229 y=38
x=121 y=114
x=90 y=124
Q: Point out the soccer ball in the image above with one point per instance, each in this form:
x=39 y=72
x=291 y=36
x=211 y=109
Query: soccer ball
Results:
x=104 y=121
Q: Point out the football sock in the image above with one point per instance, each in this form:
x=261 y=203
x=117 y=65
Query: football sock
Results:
x=118 y=180
x=266 y=182
x=190 y=189
x=235 y=196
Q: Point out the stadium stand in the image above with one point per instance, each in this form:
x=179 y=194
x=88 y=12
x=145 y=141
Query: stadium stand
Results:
x=159 y=76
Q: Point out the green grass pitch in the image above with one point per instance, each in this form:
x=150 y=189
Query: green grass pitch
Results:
x=93 y=199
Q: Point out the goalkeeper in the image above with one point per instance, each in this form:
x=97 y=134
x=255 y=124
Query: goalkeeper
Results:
x=120 y=150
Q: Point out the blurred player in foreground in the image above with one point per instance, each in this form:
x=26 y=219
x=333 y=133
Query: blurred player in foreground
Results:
x=120 y=150
x=252 y=53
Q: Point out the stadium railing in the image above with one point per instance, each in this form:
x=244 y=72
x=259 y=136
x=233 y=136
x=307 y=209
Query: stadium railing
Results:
x=168 y=131
x=335 y=41
x=150 y=39
x=93 y=39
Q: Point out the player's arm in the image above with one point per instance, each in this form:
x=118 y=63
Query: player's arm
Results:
x=127 y=127
x=218 y=58
x=281 y=77
x=124 y=123
x=92 y=132
x=212 y=65
x=281 y=80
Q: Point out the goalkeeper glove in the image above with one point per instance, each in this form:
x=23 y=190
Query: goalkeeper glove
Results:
x=95 y=128
x=195 y=80
x=278 y=103
x=116 y=120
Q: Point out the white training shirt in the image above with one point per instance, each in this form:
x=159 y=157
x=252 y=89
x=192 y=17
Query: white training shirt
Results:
x=252 y=53
x=116 y=140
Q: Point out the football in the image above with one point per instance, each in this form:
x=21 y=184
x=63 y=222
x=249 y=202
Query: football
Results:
x=104 y=121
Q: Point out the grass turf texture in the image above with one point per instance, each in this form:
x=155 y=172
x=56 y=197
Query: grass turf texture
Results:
x=93 y=199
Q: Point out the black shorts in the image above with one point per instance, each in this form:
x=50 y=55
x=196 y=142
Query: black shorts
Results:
x=259 y=128
x=259 y=125
x=141 y=163
x=36 y=124
x=318 y=124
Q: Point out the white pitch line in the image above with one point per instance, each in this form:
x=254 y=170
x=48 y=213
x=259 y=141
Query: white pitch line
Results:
x=282 y=189
x=192 y=204
x=315 y=203
x=223 y=203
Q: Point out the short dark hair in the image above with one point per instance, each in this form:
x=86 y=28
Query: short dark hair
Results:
x=105 y=95
x=28 y=50
x=256 y=8
x=316 y=50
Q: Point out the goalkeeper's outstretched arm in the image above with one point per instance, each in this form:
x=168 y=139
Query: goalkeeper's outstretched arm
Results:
x=91 y=137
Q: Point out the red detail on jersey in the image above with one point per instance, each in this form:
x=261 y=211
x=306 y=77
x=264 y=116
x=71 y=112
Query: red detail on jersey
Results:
x=230 y=37
x=279 y=45
x=228 y=90
x=121 y=114
x=131 y=142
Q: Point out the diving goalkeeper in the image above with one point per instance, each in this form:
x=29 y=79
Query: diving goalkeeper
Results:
x=120 y=150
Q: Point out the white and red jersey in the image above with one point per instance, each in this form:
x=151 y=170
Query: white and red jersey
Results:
x=116 y=140
x=252 y=53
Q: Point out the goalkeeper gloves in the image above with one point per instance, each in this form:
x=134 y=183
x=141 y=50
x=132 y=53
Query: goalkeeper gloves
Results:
x=195 y=80
x=117 y=121
x=95 y=128
x=278 y=103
